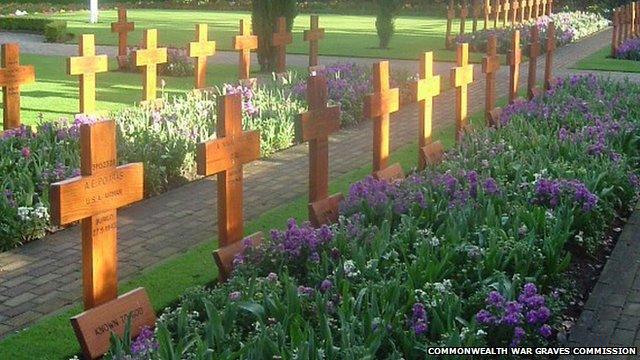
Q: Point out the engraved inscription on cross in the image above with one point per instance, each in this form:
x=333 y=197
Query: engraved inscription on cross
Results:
x=313 y=36
x=378 y=106
x=490 y=66
x=534 y=52
x=12 y=76
x=123 y=28
x=93 y=198
x=461 y=77
x=87 y=65
x=281 y=38
x=149 y=58
x=201 y=49
x=427 y=87
x=515 y=58
x=244 y=43
x=225 y=157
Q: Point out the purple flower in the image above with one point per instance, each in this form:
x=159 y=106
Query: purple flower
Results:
x=326 y=285
x=491 y=187
x=305 y=291
x=272 y=277
x=484 y=317
x=235 y=296
x=26 y=152
x=495 y=299
x=545 y=331
x=419 y=319
x=518 y=335
x=145 y=343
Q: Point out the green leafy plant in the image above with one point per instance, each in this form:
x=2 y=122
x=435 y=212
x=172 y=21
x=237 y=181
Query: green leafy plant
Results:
x=264 y=15
x=385 y=20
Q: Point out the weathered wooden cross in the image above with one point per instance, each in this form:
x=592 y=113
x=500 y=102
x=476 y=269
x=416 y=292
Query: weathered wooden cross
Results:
x=544 y=7
x=529 y=14
x=487 y=13
x=615 y=33
x=244 y=43
x=497 y=10
x=225 y=157
x=475 y=14
x=280 y=40
x=313 y=36
x=150 y=57
x=464 y=13
x=315 y=126
x=506 y=8
x=461 y=77
x=534 y=52
x=87 y=65
x=427 y=87
x=490 y=66
x=123 y=28
x=523 y=10
x=12 y=76
x=201 y=49
x=378 y=106
x=551 y=47
x=515 y=58
x=515 y=6
x=93 y=198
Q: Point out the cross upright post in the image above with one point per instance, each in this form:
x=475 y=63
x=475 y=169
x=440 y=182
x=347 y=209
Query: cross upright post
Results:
x=551 y=47
x=281 y=38
x=534 y=52
x=313 y=36
x=201 y=49
x=515 y=58
x=490 y=66
x=87 y=65
x=378 y=107
x=427 y=87
x=244 y=43
x=461 y=77
x=12 y=77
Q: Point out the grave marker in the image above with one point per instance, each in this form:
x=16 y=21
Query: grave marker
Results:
x=506 y=8
x=523 y=10
x=123 y=28
x=475 y=14
x=549 y=7
x=487 y=13
x=315 y=126
x=464 y=13
x=201 y=49
x=225 y=157
x=530 y=10
x=427 y=87
x=534 y=52
x=87 y=65
x=378 y=106
x=280 y=40
x=224 y=256
x=149 y=58
x=544 y=7
x=244 y=43
x=490 y=66
x=551 y=46
x=93 y=198
x=390 y=174
x=515 y=58
x=313 y=35
x=93 y=327
x=615 y=32
x=433 y=153
x=451 y=14
x=325 y=211
x=515 y=6
x=12 y=77
x=461 y=77
x=497 y=9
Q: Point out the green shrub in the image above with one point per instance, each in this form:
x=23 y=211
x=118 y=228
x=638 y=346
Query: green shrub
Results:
x=385 y=20
x=56 y=31
x=264 y=15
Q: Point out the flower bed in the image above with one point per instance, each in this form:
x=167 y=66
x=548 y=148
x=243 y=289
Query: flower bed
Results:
x=164 y=141
x=629 y=50
x=474 y=252
x=570 y=27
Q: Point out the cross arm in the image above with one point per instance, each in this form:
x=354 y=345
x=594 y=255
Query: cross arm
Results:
x=217 y=155
x=382 y=103
x=25 y=74
x=79 y=65
x=317 y=123
x=82 y=197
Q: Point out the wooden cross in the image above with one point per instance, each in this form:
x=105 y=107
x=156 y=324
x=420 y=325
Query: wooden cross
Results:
x=461 y=77
x=490 y=66
x=515 y=5
x=315 y=126
x=614 y=33
x=544 y=7
x=475 y=11
x=487 y=13
x=93 y=198
x=244 y=43
x=225 y=157
x=534 y=52
x=632 y=19
x=551 y=46
x=515 y=58
x=12 y=76
x=150 y=57
x=549 y=7
x=123 y=28
x=201 y=49
x=506 y=8
x=378 y=106
x=451 y=14
x=87 y=65
x=313 y=36
x=427 y=87
x=529 y=14
x=464 y=12
x=497 y=9
x=523 y=9
x=325 y=211
x=225 y=255
x=280 y=40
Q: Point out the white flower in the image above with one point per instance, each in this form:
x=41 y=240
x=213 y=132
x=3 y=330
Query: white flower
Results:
x=481 y=333
x=41 y=213
x=350 y=269
x=24 y=213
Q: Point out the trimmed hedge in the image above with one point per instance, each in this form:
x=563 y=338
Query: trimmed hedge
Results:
x=53 y=30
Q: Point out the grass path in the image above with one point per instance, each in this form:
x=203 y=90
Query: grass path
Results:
x=346 y=35
x=601 y=61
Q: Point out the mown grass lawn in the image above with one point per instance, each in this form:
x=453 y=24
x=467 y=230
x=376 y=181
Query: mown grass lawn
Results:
x=346 y=35
x=55 y=94
x=601 y=61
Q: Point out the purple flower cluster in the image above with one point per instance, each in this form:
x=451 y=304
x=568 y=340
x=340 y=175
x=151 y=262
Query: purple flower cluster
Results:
x=300 y=242
x=248 y=94
x=145 y=343
x=419 y=320
x=528 y=311
x=550 y=193
x=629 y=50
x=465 y=187
x=378 y=195
x=21 y=132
